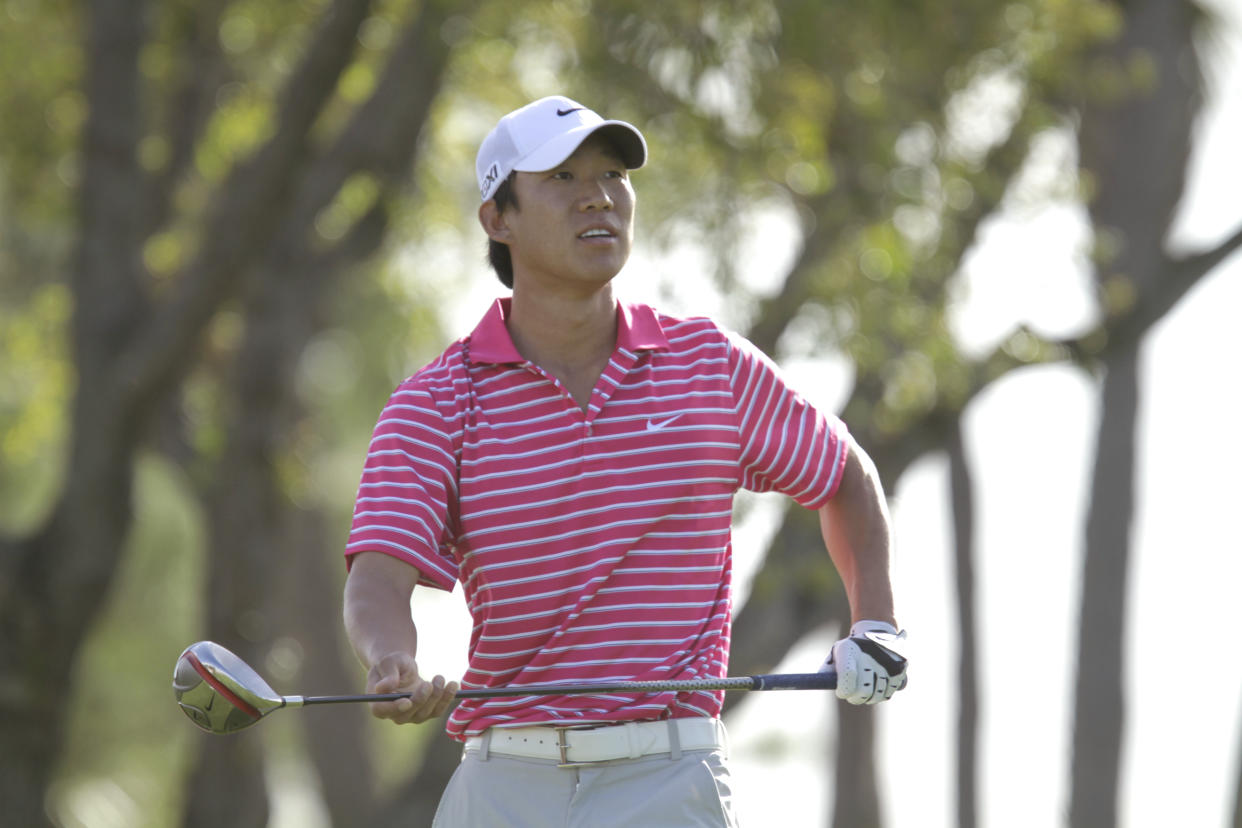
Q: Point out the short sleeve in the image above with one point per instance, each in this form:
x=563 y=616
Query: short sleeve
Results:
x=408 y=488
x=787 y=445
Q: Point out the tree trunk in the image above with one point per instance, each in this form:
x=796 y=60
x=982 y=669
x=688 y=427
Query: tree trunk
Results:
x=310 y=615
x=856 y=800
x=1236 y=816
x=1099 y=708
x=128 y=354
x=246 y=509
x=1135 y=143
x=257 y=534
x=239 y=759
x=53 y=583
x=963 y=497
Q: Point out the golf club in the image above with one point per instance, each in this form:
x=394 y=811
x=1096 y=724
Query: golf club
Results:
x=222 y=694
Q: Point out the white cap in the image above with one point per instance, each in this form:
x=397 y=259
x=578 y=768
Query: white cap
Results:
x=541 y=135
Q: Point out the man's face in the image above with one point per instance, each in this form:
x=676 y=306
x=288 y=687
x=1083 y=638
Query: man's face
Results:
x=574 y=224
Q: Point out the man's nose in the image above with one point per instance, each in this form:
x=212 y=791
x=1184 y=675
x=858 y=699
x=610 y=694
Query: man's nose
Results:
x=597 y=198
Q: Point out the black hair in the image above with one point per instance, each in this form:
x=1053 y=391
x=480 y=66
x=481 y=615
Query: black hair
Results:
x=498 y=252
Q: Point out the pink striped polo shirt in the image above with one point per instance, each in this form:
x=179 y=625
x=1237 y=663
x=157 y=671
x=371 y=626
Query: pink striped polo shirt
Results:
x=591 y=545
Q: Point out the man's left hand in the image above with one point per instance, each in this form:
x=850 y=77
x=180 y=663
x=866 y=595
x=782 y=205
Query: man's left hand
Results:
x=869 y=669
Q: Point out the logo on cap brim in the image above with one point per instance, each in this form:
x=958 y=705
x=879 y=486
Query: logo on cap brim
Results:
x=493 y=173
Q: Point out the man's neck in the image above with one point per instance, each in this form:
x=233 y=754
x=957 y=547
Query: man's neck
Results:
x=571 y=337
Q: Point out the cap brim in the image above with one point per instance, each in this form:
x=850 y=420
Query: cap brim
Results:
x=628 y=141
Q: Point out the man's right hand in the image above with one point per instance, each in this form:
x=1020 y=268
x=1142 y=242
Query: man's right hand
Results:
x=398 y=673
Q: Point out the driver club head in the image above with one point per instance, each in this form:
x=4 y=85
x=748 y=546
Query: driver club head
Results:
x=220 y=692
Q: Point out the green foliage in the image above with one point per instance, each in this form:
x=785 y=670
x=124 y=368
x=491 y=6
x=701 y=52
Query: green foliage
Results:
x=242 y=122
x=36 y=378
x=42 y=106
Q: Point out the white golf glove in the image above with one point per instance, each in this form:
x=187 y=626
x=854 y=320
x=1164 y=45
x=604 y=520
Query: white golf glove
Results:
x=868 y=669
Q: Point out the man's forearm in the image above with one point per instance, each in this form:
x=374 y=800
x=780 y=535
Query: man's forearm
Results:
x=858 y=533
x=377 y=608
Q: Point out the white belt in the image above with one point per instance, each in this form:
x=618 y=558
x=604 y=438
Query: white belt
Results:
x=627 y=740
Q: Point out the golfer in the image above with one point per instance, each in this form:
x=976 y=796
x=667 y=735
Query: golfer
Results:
x=572 y=463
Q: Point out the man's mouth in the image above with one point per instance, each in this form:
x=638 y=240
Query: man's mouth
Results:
x=596 y=233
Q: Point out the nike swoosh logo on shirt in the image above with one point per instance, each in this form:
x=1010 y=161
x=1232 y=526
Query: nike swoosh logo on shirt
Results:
x=652 y=425
x=564 y=112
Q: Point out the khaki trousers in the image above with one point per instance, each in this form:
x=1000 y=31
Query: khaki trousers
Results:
x=654 y=791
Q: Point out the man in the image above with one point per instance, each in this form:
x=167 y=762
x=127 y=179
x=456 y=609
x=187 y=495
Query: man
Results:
x=572 y=462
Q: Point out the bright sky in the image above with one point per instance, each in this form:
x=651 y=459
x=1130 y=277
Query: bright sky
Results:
x=1031 y=444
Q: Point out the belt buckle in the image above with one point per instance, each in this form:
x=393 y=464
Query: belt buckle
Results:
x=563 y=747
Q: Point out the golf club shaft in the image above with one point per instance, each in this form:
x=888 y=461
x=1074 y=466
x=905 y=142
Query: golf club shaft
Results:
x=773 y=681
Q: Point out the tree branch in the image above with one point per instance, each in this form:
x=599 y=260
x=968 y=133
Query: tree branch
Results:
x=244 y=212
x=200 y=72
x=106 y=283
x=1127 y=327
x=778 y=310
x=962 y=494
x=1182 y=275
x=382 y=135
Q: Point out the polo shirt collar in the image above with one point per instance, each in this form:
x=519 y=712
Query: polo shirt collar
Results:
x=490 y=340
x=638 y=329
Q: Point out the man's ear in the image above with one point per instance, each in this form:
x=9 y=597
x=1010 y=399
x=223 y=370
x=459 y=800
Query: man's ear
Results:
x=493 y=222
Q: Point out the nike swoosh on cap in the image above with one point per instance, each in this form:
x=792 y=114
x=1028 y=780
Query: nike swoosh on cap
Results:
x=564 y=112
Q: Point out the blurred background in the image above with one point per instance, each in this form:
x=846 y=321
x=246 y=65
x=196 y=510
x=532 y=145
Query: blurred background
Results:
x=1000 y=238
